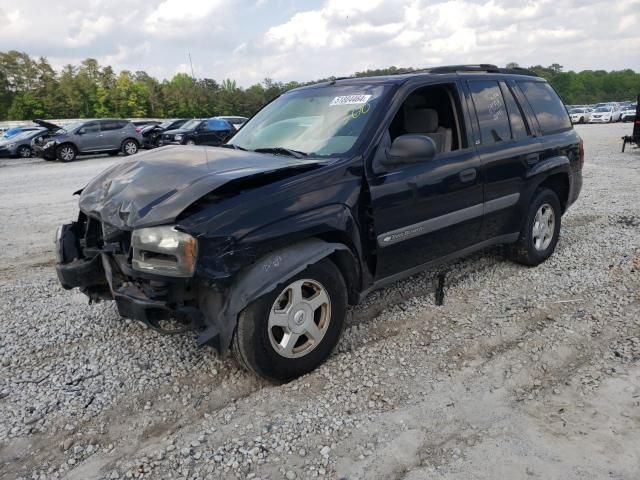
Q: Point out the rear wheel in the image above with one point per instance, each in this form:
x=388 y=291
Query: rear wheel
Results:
x=540 y=234
x=129 y=147
x=66 y=152
x=293 y=329
x=25 y=151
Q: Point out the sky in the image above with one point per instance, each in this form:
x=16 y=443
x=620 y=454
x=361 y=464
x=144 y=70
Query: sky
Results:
x=305 y=40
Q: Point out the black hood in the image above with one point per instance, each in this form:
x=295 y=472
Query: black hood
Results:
x=153 y=188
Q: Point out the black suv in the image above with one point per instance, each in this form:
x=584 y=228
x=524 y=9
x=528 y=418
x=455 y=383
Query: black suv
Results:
x=329 y=192
x=211 y=131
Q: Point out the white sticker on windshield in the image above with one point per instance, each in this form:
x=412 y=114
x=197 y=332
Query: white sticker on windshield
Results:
x=350 y=100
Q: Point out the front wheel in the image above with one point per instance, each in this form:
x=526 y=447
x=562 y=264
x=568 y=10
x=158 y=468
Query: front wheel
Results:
x=130 y=147
x=293 y=329
x=25 y=152
x=541 y=231
x=66 y=153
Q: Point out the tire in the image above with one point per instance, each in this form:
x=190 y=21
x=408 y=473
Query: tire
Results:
x=190 y=142
x=66 y=152
x=25 y=151
x=535 y=243
x=258 y=340
x=129 y=147
x=581 y=120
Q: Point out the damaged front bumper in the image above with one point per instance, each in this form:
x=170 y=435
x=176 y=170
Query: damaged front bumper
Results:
x=167 y=305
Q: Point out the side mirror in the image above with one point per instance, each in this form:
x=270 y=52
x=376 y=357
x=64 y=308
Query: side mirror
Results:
x=410 y=148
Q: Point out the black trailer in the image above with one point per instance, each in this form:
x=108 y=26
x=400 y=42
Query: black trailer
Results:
x=634 y=138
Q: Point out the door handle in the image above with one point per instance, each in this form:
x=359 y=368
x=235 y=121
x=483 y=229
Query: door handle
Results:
x=533 y=158
x=468 y=175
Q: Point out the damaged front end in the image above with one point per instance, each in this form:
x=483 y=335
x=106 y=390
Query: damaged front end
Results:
x=151 y=236
x=148 y=276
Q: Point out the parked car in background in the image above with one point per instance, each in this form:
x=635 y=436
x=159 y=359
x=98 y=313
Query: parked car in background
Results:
x=211 y=131
x=152 y=134
x=236 y=122
x=110 y=136
x=629 y=113
x=605 y=114
x=19 y=145
x=329 y=192
x=11 y=132
x=580 y=115
x=144 y=123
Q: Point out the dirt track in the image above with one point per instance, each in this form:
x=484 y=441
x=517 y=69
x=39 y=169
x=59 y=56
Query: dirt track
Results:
x=523 y=373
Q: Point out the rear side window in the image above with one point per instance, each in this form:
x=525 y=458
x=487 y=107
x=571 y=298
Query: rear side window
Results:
x=491 y=111
x=547 y=106
x=108 y=125
x=519 y=128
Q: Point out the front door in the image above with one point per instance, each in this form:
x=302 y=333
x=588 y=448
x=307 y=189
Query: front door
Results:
x=89 y=137
x=424 y=211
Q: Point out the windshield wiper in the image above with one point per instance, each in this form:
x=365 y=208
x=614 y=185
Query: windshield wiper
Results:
x=231 y=145
x=282 y=150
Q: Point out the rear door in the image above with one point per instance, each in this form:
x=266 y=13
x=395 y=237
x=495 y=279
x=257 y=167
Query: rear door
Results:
x=113 y=133
x=506 y=145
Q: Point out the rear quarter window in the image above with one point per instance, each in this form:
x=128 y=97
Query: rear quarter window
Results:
x=491 y=111
x=547 y=106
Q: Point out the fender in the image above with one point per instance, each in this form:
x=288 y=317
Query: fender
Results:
x=558 y=164
x=263 y=277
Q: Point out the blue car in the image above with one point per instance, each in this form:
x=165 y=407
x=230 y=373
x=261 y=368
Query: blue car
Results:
x=19 y=144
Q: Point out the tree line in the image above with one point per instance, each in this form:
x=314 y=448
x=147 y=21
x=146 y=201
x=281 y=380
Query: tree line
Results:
x=31 y=88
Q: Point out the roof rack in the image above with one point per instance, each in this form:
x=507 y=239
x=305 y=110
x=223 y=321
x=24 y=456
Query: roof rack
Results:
x=482 y=67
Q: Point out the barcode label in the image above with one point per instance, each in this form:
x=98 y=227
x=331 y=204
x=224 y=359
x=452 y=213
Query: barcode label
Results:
x=350 y=100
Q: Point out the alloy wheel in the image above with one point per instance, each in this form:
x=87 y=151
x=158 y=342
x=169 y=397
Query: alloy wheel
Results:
x=544 y=225
x=130 y=148
x=299 y=318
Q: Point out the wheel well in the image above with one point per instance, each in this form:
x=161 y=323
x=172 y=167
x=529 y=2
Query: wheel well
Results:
x=559 y=183
x=70 y=144
x=347 y=263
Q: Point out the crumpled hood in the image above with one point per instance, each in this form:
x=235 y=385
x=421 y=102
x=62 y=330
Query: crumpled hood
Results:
x=154 y=187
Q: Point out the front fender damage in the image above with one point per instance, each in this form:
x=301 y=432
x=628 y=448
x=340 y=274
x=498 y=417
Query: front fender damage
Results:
x=221 y=309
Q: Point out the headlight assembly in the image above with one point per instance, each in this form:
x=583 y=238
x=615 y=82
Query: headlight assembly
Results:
x=165 y=251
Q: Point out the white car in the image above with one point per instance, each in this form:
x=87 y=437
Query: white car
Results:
x=629 y=113
x=580 y=115
x=606 y=114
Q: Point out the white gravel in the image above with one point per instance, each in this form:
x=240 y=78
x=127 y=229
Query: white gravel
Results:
x=523 y=373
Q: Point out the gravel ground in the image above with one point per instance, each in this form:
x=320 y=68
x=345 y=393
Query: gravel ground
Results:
x=522 y=373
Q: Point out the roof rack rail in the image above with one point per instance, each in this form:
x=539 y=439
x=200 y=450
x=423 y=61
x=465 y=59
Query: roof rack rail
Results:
x=482 y=67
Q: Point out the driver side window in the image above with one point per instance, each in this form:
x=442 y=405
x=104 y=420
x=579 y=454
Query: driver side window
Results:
x=431 y=111
x=91 y=128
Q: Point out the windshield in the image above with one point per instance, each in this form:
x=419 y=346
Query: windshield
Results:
x=321 y=121
x=603 y=109
x=191 y=124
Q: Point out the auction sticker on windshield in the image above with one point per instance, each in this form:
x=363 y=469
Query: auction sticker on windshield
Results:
x=350 y=100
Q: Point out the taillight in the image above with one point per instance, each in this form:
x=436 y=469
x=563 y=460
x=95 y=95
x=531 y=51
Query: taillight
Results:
x=581 y=153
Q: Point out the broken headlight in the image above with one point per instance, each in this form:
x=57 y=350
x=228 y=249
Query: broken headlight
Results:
x=165 y=251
